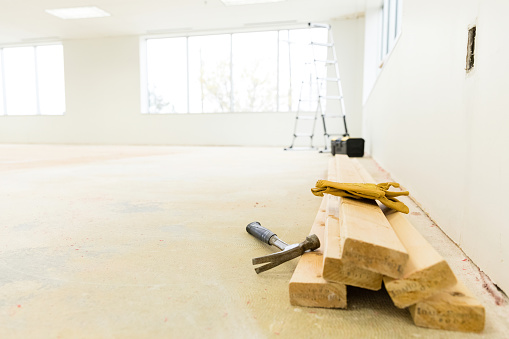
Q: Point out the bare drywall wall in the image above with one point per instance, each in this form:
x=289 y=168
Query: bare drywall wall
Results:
x=349 y=40
x=441 y=131
x=372 y=44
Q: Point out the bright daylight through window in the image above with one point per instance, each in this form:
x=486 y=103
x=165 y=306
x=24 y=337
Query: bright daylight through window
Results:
x=391 y=15
x=32 y=80
x=240 y=72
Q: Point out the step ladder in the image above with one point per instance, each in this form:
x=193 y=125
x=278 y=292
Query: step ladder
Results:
x=305 y=119
x=323 y=57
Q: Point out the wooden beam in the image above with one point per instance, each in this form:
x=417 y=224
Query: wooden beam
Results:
x=454 y=309
x=425 y=273
x=334 y=269
x=366 y=237
x=307 y=286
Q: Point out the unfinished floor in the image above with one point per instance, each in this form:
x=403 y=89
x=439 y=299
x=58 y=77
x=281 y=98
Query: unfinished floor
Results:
x=150 y=242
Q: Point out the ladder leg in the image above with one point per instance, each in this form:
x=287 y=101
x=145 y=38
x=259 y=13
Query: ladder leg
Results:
x=329 y=59
x=303 y=115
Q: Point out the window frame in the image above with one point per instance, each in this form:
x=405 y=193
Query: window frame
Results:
x=391 y=14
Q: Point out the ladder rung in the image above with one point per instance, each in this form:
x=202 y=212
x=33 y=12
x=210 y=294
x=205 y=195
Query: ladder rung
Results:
x=330 y=62
x=328 y=79
x=331 y=97
x=320 y=80
x=323 y=44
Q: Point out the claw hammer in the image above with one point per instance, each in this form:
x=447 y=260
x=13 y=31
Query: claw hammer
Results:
x=288 y=252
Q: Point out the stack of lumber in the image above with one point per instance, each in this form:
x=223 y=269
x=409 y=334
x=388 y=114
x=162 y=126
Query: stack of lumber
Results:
x=307 y=286
x=363 y=245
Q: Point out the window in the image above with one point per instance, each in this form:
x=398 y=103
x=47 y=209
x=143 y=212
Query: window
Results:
x=210 y=83
x=32 y=80
x=391 y=14
x=167 y=60
x=254 y=71
x=238 y=72
x=382 y=31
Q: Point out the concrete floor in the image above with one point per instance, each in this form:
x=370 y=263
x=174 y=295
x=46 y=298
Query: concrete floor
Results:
x=149 y=242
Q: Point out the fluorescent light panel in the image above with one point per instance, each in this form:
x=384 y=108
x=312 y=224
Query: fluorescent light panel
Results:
x=78 y=12
x=247 y=2
x=271 y=23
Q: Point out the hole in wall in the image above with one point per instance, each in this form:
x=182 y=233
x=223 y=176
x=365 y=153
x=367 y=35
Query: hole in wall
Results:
x=470 y=48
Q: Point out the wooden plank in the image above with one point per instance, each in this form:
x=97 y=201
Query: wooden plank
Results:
x=425 y=273
x=451 y=305
x=454 y=309
x=334 y=268
x=332 y=173
x=307 y=286
x=367 y=238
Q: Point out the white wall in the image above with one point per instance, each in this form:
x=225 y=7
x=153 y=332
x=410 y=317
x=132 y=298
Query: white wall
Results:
x=103 y=106
x=442 y=132
x=372 y=46
x=349 y=40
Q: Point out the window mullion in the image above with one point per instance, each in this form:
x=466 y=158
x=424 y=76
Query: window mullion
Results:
x=2 y=65
x=147 y=90
x=36 y=73
x=277 y=71
x=290 y=86
x=187 y=68
x=387 y=27
x=231 y=73
x=381 y=34
x=395 y=11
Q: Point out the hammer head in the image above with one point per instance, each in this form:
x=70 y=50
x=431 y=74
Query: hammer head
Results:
x=290 y=252
x=311 y=243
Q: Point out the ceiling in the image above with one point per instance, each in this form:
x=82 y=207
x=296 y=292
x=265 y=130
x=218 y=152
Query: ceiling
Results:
x=25 y=21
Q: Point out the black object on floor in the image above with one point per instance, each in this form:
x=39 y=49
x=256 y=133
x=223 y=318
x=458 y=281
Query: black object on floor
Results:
x=353 y=147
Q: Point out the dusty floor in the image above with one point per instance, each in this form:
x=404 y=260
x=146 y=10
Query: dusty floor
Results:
x=149 y=242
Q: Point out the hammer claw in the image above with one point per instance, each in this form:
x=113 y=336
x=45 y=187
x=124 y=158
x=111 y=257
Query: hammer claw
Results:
x=278 y=258
x=267 y=267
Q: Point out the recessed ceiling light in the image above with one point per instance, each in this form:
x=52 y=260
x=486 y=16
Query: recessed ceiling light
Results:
x=271 y=23
x=78 y=12
x=169 y=30
x=247 y=2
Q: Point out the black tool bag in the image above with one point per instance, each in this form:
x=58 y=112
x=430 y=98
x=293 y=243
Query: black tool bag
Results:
x=353 y=147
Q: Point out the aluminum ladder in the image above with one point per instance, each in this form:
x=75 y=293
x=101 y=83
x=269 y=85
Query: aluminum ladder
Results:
x=305 y=120
x=321 y=78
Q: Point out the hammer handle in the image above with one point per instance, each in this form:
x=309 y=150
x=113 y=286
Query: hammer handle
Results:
x=260 y=232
